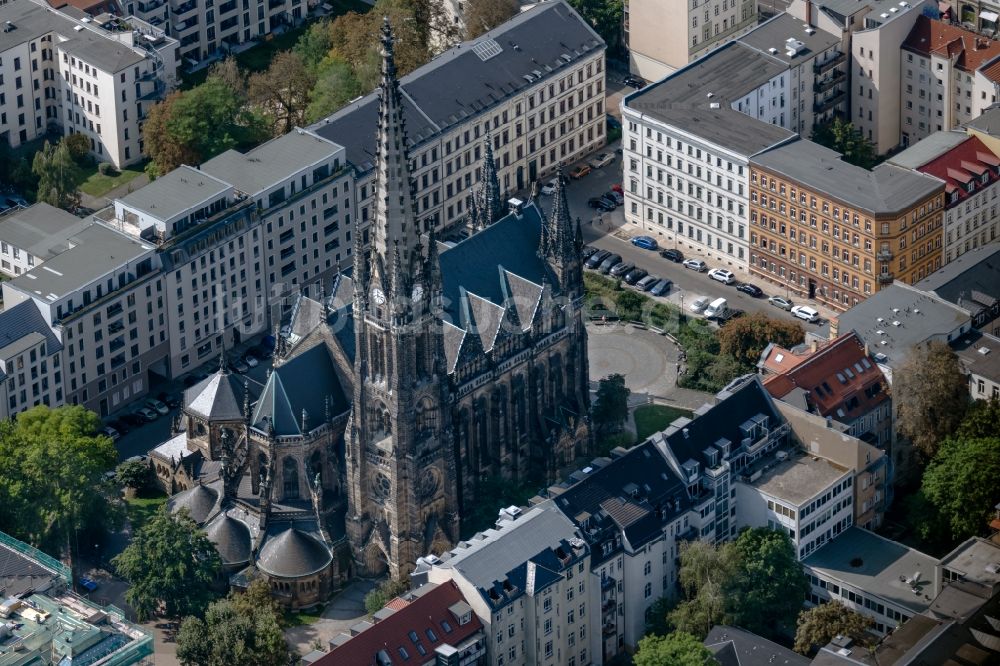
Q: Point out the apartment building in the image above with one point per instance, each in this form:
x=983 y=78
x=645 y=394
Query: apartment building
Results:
x=92 y=76
x=971 y=171
x=662 y=37
x=30 y=361
x=830 y=231
x=633 y=511
x=837 y=380
x=539 y=99
x=979 y=355
x=29 y=236
x=949 y=76
x=529 y=581
x=970 y=282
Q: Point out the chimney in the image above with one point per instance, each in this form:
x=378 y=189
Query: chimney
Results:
x=829 y=422
x=809 y=12
x=814 y=345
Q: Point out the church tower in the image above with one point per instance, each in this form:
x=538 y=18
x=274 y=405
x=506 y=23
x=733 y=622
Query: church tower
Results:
x=400 y=460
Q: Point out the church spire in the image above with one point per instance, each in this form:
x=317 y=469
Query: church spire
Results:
x=491 y=206
x=561 y=233
x=395 y=215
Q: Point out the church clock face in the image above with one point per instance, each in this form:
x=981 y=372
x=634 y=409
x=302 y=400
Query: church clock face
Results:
x=378 y=296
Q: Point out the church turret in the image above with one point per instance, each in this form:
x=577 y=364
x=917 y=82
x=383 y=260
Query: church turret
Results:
x=491 y=203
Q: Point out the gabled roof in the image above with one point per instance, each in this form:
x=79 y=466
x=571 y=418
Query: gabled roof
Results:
x=962 y=166
x=430 y=617
x=737 y=647
x=218 y=397
x=307 y=381
x=971 y=280
x=840 y=380
x=22 y=320
x=41 y=230
x=968 y=49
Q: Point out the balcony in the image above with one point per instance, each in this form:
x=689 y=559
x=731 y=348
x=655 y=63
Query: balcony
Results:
x=885 y=278
x=830 y=102
x=184 y=9
x=884 y=255
x=827 y=84
x=819 y=68
x=150 y=6
x=609 y=629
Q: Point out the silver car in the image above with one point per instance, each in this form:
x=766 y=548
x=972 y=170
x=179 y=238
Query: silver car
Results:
x=780 y=302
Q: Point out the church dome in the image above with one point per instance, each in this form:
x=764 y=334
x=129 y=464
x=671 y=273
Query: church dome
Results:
x=293 y=554
x=199 y=501
x=231 y=538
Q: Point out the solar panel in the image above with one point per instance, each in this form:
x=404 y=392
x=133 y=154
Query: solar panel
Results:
x=486 y=49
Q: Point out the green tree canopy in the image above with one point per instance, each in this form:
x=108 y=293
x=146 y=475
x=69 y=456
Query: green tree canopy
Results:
x=961 y=483
x=335 y=87
x=281 y=92
x=981 y=420
x=606 y=17
x=818 y=625
x=52 y=467
x=484 y=15
x=133 y=474
x=676 y=649
x=931 y=395
x=313 y=47
x=170 y=565
x=385 y=592
x=745 y=338
x=58 y=174
x=846 y=139
x=240 y=629
x=610 y=407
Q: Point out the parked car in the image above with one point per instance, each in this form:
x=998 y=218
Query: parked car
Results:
x=597 y=258
x=728 y=316
x=780 y=302
x=113 y=433
x=602 y=160
x=610 y=262
x=146 y=414
x=170 y=399
x=621 y=268
x=587 y=252
x=699 y=304
x=158 y=406
x=87 y=584
x=673 y=254
x=250 y=360
x=695 y=265
x=132 y=419
x=716 y=308
x=646 y=283
x=751 y=289
x=634 y=82
x=634 y=275
x=617 y=197
x=806 y=313
x=722 y=275
x=645 y=242
x=661 y=288
x=120 y=425
x=549 y=188
x=617 y=187
x=579 y=172
x=239 y=365
x=600 y=203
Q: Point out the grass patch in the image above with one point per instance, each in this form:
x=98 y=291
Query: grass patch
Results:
x=301 y=617
x=654 y=418
x=94 y=183
x=140 y=509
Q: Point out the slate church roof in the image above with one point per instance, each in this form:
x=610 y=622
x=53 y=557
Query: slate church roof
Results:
x=231 y=538
x=293 y=553
x=218 y=397
x=306 y=381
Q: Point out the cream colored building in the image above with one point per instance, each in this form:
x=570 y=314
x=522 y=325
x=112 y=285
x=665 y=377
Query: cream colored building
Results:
x=664 y=35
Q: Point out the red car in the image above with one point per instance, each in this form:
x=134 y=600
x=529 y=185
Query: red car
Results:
x=617 y=188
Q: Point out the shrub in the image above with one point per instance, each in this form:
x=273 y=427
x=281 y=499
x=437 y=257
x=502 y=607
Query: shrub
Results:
x=106 y=169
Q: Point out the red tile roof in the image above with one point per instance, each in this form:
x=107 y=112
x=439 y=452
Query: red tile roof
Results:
x=427 y=617
x=399 y=603
x=965 y=163
x=839 y=379
x=949 y=41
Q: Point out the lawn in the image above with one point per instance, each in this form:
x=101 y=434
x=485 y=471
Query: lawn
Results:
x=654 y=418
x=94 y=183
x=141 y=509
x=302 y=617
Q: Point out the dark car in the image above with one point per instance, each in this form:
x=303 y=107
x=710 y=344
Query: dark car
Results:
x=120 y=426
x=588 y=252
x=673 y=254
x=600 y=203
x=610 y=262
x=661 y=288
x=621 y=269
x=595 y=259
x=132 y=419
x=264 y=352
x=615 y=196
x=635 y=275
x=729 y=315
x=634 y=82
x=169 y=399
x=751 y=289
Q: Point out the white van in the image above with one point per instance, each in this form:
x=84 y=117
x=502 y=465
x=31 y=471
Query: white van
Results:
x=716 y=308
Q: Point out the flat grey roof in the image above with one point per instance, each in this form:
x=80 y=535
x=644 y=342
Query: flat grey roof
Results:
x=921 y=316
x=849 y=7
x=877 y=566
x=30 y=20
x=928 y=149
x=886 y=189
x=799 y=479
x=988 y=121
x=106 y=54
x=775 y=32
x=971 y=276
x=458 y=85
x=41 y=230
x=977 y=560
x=270 y=162
x=969 y=349
x=728 y=73
x=175 y=192
x=97 y=251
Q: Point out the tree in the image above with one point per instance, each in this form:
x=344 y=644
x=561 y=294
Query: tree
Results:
x=386 y=591
x=240 y=629
x=770 y=586
x=745 y=338
x=335 y=87
x=356 y=38
x=818 y=625
x=133 y=475
x=435 y=25
x=313 y=47
x=170 y=565
x=281 y=92
x=706 y=574
x=606 y=17
x=930 y=395
x=230 y=73
x=676 y=649
x=629 y=305
x=57 y=175
x=484 y=15
x=846 y=139
x=162 y=148
x=52 y=467
x=981 y=420
x=78 y=145
x=961 y=483
x=610 y=407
